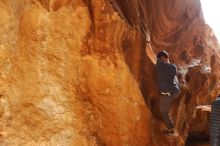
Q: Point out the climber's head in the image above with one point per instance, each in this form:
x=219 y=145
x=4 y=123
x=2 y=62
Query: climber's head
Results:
x=163 y=56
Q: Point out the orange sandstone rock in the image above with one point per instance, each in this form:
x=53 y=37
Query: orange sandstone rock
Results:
x=81 y=72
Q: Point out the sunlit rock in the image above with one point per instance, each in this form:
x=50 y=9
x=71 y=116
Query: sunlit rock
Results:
x=81 y=72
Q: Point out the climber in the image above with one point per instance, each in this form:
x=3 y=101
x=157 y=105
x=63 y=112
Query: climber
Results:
x=168 y=86
x=214 y=121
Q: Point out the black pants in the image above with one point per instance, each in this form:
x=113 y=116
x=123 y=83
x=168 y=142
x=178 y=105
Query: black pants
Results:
x=165 y=102
x=215 y=141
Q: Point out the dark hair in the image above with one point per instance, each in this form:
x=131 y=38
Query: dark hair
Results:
x=162 y=54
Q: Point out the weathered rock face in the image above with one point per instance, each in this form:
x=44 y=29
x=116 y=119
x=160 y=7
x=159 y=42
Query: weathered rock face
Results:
x=81 y=72
x=63 y=77
x=178 y=27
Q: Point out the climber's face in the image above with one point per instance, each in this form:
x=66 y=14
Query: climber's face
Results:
x=165 y=59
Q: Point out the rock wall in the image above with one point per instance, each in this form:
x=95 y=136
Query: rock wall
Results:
x=81 y=72
x=178 y=27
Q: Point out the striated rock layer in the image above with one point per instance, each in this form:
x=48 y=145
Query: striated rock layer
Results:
x=81 y=72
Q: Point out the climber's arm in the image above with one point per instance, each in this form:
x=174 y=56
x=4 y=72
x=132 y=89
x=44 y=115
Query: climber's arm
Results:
x=207 y=108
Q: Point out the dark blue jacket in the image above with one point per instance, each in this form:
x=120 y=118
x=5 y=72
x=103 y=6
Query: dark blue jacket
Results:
x=215 y=123
x=166 y=77
x=215 y=119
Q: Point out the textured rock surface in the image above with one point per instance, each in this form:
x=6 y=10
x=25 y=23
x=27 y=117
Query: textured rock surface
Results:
x=63 y=78
x=81 y=72
x=178 y=26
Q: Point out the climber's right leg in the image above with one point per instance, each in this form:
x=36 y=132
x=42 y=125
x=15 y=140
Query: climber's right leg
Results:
x=165 y=101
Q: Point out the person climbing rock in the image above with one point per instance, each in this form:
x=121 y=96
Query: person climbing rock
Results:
x=214 y=121
x=168 y=86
